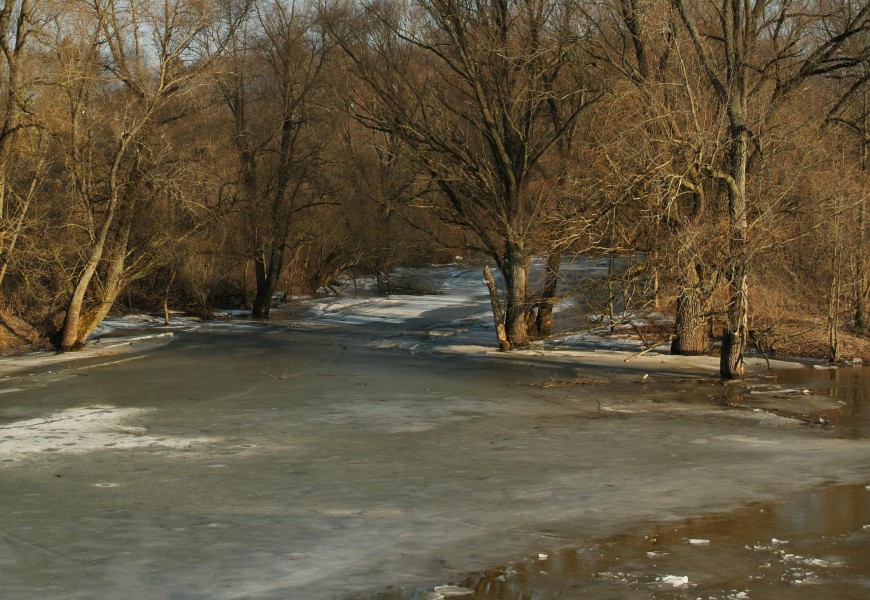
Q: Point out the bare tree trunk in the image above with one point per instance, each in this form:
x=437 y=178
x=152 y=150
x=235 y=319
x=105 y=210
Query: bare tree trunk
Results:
x=516 y=269
x=70 y=334
x=497 y=314
x=862 y=315
x=655 y=283
x=166 y=298
x=611 y=295
x=731 y=364
x=112 y=288
x=690 y=324
x=834 y=297
x=544 y=318
x=267 y=281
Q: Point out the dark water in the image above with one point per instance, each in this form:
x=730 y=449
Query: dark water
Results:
x=850 y=386
x=812 y=546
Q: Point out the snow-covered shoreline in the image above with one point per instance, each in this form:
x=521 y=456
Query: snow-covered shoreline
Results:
x=456 y=321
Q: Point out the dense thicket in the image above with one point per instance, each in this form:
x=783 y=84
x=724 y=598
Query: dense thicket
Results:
x=192 y=152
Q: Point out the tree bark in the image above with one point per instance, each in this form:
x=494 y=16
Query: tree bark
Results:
x=690 y=324
x=731 y=364
x=497 y=314
x=267 y=275
x=544 y=318
x=834 y=297
x=515 y=272
x=109 y=293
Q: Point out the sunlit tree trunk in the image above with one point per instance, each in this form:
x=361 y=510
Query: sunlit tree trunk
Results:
x=497 y=312
x=692 y=309
x=516 y=274
x=736 y=327
x=71 y=332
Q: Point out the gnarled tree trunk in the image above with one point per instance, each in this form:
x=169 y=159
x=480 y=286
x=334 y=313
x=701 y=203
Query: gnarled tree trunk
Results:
x=515 y=270
x=693 y=305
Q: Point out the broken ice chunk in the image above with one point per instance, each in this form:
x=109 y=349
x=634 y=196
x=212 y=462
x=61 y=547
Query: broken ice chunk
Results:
x=699 y=542
x=452 y=590
x=674 y=580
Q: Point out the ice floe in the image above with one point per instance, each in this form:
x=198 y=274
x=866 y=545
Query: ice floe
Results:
x=674 y=580
x=452 y=590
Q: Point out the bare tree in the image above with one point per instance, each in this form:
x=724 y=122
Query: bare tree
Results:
x=17 y=22
x=851 y=112
x=754 y=55
x=654 y=154
x=124 y=67
x=272 y=85
x=467 y=86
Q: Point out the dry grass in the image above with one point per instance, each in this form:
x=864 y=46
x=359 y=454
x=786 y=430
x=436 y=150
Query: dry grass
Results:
x=809 y=339
x=558 y=383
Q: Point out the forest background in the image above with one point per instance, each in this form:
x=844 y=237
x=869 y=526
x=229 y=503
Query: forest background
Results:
x=195 y=153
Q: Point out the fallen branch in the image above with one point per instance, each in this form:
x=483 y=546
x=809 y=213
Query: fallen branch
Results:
x=650 y=348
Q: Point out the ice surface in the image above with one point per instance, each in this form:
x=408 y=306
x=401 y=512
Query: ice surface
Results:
x=261 y=460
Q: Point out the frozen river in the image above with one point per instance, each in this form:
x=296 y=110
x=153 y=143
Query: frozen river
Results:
x=372 y=448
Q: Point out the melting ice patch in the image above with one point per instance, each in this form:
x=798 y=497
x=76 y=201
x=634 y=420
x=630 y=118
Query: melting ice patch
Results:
x=452 y=590
x=82 y=429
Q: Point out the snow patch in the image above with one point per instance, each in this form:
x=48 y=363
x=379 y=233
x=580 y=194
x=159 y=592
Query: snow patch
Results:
x=452 y=590
x=81 y=430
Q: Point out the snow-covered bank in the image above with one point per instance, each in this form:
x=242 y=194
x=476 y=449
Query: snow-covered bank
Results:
x=457 y=320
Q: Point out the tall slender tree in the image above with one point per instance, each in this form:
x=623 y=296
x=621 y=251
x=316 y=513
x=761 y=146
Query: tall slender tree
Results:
x=754 y=54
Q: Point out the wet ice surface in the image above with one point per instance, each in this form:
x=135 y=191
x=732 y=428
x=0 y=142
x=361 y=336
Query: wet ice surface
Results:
x=823 y=552
x=368 y=447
